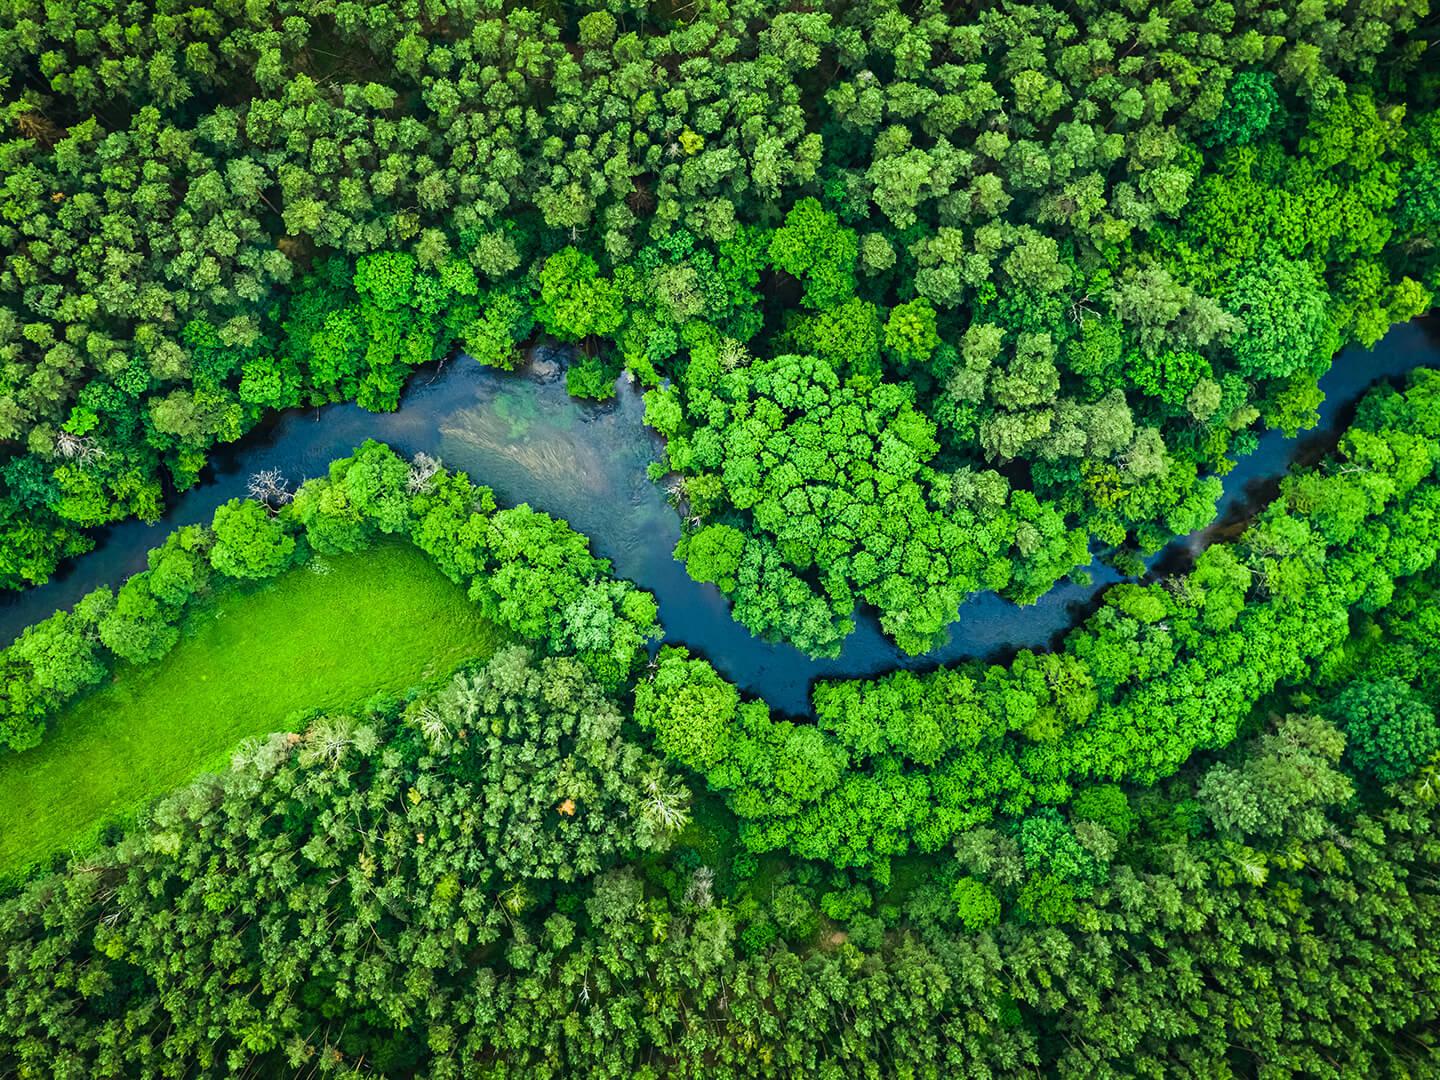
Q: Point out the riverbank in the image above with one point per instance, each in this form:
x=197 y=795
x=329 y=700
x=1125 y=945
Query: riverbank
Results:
x=521 y=434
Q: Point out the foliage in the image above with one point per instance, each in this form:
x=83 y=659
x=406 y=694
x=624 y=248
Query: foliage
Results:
x=410 y=844
x=424 y=886
x=372 y=622
x=925 y=300
x=530 y=575
x=1098 y=246
x=906 y=762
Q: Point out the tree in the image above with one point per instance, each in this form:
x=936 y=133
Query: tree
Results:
x=713 y=553
x=139 y=628
x=1389 y=730
x=910 y=332
x=333 y=522
x=179 y=568
x=815 y=248
x=688 y=707
x=976 y=905
x=249 y=543
x=1286 y=325
x=1282 y=784
x=575 y=301
x=1250 y=109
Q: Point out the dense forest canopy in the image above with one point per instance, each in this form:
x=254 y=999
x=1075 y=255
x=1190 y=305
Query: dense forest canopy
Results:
x=1092 y=250
x=923 y=300
x=507 y=873
x=491 y=878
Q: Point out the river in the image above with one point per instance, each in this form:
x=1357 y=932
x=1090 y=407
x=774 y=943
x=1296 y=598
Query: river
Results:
x=522 y=435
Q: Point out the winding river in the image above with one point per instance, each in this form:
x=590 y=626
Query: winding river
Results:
x=522 y=435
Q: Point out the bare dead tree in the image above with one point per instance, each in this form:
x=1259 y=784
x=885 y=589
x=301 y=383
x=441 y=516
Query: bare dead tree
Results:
x=79 y=448
x=270 y=487
x=423 y=468
x=1080 y=310
x=641 y=199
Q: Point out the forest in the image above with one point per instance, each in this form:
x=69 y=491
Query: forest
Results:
x=378 y=767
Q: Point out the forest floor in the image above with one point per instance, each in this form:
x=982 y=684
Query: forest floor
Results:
x=383 y=620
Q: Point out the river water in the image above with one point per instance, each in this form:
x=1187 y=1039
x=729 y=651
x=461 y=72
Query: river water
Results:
x=522 y=435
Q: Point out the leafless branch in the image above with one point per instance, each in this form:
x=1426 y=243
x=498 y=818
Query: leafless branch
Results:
x=422 y=474
x=79 y=448
x=270 y=487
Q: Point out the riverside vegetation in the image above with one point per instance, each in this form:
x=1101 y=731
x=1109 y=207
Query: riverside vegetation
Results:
x=515 y=809
x=925 y=300
x=1059 y=264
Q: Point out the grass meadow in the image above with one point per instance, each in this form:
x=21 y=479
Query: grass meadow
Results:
x=328 y=635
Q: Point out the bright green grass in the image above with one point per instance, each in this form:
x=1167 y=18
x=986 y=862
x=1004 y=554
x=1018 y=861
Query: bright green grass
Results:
x=384 y=619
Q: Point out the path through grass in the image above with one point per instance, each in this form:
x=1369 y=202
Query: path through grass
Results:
x=384 y=619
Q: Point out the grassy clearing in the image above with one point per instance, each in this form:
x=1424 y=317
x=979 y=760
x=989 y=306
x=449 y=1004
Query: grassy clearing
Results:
x=382 y=620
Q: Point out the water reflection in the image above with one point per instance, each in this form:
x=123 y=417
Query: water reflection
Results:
x=522 y=435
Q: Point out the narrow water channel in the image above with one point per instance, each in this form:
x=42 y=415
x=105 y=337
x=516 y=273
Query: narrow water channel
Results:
x=522 y=435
